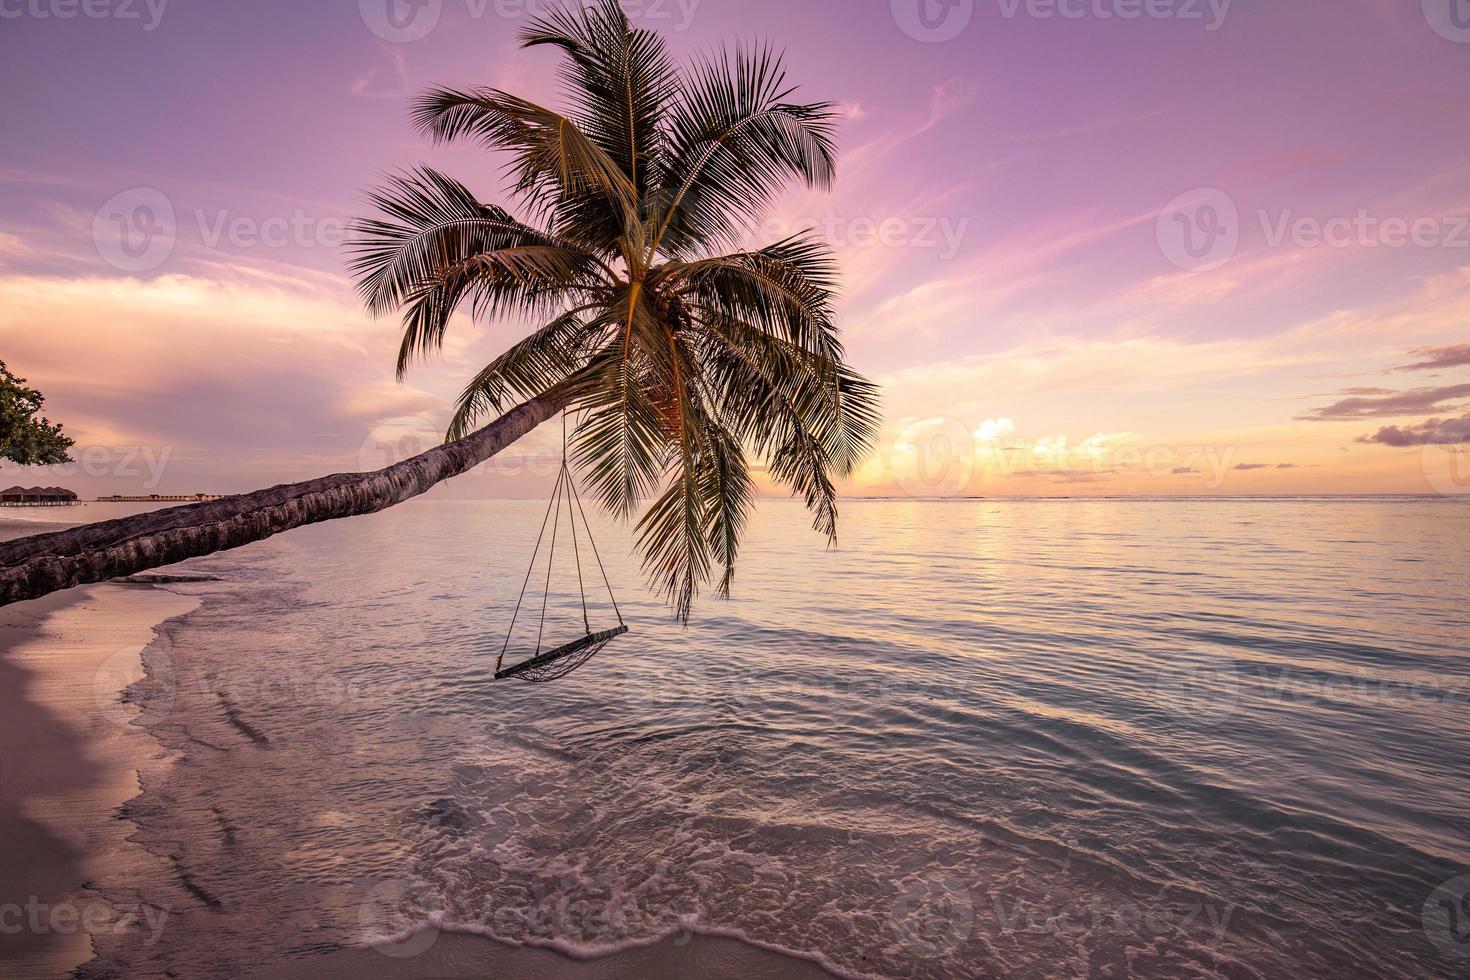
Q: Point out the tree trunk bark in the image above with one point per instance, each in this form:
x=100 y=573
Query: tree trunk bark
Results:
x=32 y=567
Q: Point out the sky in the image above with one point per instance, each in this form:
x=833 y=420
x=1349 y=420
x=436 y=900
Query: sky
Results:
x=1088 y=246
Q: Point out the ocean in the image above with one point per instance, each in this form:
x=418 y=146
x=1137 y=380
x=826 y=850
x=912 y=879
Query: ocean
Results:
x=992 y=738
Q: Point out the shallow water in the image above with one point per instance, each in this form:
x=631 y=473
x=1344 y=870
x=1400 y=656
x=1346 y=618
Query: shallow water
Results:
x=1152 y=738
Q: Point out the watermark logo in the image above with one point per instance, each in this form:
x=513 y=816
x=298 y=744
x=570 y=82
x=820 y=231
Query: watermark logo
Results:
x=113 y=681
x=135 y=230
x=933 y=917
x=390 y=442
x=1192 y=691
x=932 y=458
x=386 y=925
x=1446 y=918
x=1450 y=19
x=1199 y=230
x=139 y=229
x=401 y=21
x=1446 y=458
x=933 y=21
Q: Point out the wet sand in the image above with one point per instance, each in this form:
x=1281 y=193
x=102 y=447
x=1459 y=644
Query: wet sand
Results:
x=69 y=758
x=462 y=957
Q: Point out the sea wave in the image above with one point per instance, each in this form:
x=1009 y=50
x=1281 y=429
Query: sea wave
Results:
x=1022 y=739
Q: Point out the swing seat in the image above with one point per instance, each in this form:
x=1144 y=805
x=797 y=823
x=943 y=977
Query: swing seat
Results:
x=556 y=664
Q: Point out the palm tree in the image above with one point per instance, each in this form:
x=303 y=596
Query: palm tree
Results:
x=683 y=364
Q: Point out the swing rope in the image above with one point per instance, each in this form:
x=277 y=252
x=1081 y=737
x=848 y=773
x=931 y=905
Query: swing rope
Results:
x=562 y=660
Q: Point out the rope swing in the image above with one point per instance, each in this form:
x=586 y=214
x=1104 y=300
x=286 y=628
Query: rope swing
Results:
x=561 y=661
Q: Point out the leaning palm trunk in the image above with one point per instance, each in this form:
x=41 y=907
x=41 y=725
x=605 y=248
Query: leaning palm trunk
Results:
x=32 y=567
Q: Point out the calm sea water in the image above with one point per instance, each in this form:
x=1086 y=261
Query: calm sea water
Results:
x=1150 y=738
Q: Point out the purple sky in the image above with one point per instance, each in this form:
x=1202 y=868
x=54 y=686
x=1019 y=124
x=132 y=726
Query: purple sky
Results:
x=1012 y=276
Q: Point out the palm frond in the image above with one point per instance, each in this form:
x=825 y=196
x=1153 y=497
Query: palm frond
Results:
x=437 y=245
x=431 y=221
x=734 y=142
x=619 y=79
x=672 y=534
x=779 y=400
x=788 y=288
x=554 y=163
x=676 y=552
x=620 y=442
x=547 y=359
x=726 y=486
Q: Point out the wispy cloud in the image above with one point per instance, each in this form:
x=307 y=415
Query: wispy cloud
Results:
x=1434 y=432
x=1085 y=129
x=1435 y=358
x=372 y=85
x=1417 y=401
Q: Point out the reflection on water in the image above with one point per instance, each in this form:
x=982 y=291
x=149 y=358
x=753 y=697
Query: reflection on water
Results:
x=1015 y=738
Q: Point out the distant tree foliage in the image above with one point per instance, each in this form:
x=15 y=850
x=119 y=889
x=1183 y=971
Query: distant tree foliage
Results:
x=26 y=436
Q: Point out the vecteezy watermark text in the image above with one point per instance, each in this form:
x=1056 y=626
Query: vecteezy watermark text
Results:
x=1210 y=691
x=942 y=457
x=941 y=234
x=138 y=229
x=1201 y=230
x=64 y=918
x=144 y=463
x=149 y=13
x=936 y=21
x=401 y=918
x=934 y=917
x=1210 y=13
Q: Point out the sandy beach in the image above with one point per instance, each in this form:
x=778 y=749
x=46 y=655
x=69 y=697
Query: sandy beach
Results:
x=69 y=758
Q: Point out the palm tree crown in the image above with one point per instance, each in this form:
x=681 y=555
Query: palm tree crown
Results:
x=684 y=363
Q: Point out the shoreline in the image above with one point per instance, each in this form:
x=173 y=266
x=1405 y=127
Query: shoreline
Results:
x=450 y=955
x=72 y=757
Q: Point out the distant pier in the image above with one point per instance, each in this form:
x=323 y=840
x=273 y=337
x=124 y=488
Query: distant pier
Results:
x=157 y=498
